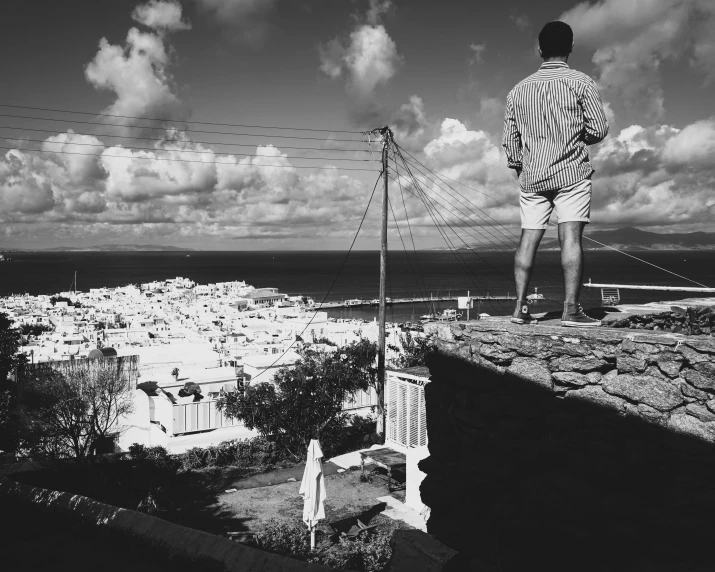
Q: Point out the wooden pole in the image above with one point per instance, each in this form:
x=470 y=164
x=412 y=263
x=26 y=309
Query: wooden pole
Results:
x=469 y=303
x=382 y=314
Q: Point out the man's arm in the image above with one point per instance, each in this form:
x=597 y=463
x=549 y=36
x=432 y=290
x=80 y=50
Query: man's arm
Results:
x=595 y=124
x=511 y=138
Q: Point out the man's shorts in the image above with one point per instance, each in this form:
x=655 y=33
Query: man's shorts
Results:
x=572 y=204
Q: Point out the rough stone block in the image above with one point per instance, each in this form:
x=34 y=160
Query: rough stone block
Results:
x=594 y=394
x=699 y=379
x=670 y=363
x=581 y=365
x=657 y=393
x=630 y=364
x=571 y=378
x=692 y=355
x=683 y=423
x=417 y=551
x=690 y=391
x=532 y=346
x=483 y=337
x=700 y=411
x=497 y=354
x=533 y=370
x=644 y=411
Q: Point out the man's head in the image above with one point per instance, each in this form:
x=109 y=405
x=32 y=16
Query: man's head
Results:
x=555 y=40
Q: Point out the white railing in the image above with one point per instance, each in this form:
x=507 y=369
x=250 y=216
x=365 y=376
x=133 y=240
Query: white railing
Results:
x=406 y=416
x=361 y=399
x=200 y=416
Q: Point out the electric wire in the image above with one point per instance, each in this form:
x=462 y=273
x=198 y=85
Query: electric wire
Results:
x=167 y=139
x=414 y=275
x=340 y=271
x=183 y=130
x=464 y=242
x=449 y=243
x=168 y=120
x=501 y=249
x=501 y=202
x=179 y=150
x=189 y=160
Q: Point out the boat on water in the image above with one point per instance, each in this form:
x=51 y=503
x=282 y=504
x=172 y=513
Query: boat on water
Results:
x=535 y=295
x=354 y=302
x=448 y=315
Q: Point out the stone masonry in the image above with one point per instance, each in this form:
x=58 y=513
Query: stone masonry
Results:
x=571 y=449
x=663 y=378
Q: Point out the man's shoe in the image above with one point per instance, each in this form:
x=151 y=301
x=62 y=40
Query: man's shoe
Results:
x=574 y=317
x=521 y=314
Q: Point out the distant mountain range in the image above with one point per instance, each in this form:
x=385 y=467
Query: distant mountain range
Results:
x=114 y=248
x=629 y=238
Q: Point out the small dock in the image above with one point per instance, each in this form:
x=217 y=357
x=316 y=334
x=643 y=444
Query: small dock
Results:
x=392 y=301
x=654 y=288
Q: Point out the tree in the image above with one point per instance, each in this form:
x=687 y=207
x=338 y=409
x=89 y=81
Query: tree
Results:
x=305 y=401
x=10 y=360
x=35 y=329
x=72 y=406
x=412 y=350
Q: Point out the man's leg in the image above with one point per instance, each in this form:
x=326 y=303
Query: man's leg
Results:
x=524 y=259
x=570 y=234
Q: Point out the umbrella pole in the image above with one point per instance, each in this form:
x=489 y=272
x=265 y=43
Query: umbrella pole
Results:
x=312 y=537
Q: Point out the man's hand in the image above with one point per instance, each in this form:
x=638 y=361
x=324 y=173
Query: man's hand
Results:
x=518 y=173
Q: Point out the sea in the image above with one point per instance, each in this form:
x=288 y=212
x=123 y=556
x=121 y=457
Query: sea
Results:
x=337 y=276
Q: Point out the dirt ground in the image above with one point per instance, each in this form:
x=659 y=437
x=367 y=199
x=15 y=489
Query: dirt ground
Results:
x=346 y=495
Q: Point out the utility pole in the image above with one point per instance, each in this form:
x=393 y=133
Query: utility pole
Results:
x=382 y=314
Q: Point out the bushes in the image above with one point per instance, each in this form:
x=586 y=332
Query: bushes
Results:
x=255 y=452
x=290 y=539
x=367 y=553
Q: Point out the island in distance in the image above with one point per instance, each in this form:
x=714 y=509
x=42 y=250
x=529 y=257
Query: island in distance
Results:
x=119 y=248
x=627 y=238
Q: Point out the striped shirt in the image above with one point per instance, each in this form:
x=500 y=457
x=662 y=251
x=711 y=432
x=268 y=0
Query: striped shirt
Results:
x=549 y=119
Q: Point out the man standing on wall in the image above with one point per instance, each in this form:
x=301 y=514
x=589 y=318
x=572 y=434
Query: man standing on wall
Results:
x=550 y=118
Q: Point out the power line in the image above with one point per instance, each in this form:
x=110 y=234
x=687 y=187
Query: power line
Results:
x=163 y=139
x=167 y=120
x=183 y=130
x=189 y=151
x=186 y=160
x=340 y=271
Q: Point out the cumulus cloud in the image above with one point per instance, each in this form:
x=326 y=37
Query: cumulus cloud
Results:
x=245 y=18
x=137 y=73
x=163 y=15
x=521 y=21
x=477 y=53
x=657 y=175
x=367 y=58
x=632 y=39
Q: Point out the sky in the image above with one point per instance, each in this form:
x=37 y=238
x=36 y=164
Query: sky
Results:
x=158 y=154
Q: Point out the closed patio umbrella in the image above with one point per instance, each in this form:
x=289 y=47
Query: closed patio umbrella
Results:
x=312 y=489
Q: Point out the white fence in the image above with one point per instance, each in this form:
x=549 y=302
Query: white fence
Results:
x=361 y=399
x=406 y=418
x=200 y=416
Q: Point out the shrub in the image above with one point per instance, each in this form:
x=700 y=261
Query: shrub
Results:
x=368 y=553
x=286 y=538
x=245 y=453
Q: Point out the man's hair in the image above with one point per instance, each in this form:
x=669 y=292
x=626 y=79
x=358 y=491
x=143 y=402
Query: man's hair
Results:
x=555 y=39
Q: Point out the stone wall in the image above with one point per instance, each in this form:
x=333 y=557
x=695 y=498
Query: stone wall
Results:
x=176 y=547
x=571 y=449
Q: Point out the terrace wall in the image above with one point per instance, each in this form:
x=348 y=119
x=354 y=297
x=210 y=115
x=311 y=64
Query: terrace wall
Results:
x=562 y=449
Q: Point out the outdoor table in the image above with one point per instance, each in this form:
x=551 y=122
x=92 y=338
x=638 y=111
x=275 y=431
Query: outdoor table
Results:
x=386 y=458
